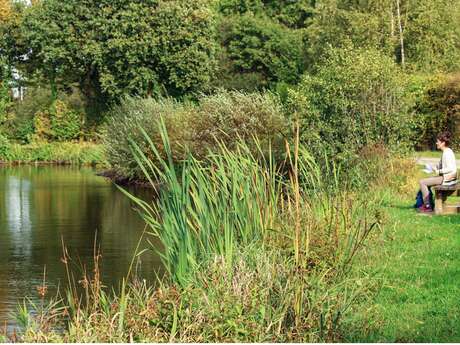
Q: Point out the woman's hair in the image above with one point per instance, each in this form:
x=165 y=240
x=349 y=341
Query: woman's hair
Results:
x=445 y=137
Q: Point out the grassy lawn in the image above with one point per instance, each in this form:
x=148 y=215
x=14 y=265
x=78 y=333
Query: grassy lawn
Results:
x=428 y=154
x=419 y=300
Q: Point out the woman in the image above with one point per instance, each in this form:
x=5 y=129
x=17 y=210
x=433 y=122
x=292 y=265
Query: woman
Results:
x=446 y=171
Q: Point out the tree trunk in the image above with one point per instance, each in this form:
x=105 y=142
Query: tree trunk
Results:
x=401 y=36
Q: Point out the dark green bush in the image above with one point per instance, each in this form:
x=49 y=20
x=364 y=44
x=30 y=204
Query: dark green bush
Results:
x=437 y=107
x=23 y=130
x=257 y=45
x=194 y=128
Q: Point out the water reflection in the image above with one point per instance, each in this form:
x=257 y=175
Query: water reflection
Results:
x=42 y=206
x=18 y=214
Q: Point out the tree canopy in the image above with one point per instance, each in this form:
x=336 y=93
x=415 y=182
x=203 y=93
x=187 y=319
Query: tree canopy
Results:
x=111 y=48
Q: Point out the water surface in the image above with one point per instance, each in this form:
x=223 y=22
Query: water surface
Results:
x=43 y=206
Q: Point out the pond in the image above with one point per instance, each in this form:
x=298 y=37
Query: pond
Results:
x=42 y=207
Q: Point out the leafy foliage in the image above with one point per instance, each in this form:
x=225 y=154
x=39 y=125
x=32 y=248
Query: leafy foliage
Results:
x=260 y=43
x=192 y=128
x=5 y=147
x=293 y=14
x=113 y=48
x=5 y=10
x=256 y=45
x=437 y=105
x=356 y=99
x=5 y=96
x=59 y=123
x=432 y=35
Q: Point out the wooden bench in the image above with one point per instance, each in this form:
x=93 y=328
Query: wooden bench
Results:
x=441 y=194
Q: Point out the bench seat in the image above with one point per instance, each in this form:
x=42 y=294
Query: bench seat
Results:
x=441 y=194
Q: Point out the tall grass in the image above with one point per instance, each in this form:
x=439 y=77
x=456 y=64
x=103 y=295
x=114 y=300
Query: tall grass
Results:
x=210 y=207
x=233 y=199
x=84 y=153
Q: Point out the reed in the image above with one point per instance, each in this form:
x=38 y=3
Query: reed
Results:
x=211 y=207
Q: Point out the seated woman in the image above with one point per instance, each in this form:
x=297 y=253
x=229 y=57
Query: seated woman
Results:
x=446 y=170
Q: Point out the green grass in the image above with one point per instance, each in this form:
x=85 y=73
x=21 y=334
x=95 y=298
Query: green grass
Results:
x=420 y=271
x=428 y=154
x=81 y=153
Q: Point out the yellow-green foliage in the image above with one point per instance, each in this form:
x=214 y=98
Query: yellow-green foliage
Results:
x=357 y=98
x=193 y=128
x=64 y=153
x=58 y=123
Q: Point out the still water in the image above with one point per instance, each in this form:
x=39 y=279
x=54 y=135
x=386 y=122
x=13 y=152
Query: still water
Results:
x=43 y=206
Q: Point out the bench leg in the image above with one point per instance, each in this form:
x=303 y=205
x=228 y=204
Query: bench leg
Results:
x=438 y=202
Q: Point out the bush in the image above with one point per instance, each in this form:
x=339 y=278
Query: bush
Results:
x=24 y=130
x=38 y=116
x=36 y=99
x=192 y=127
x=357 y=99
x=5 y=148
x=65 y=122
x=59 y=123
x=437 y=105
x=5 y=96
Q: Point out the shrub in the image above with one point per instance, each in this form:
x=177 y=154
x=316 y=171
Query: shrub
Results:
x=59 y=123
x=36 y=99
x=65 y=122
x=192 y=127
x=437 y=100
x=5 y=148
x=356 y=99
x=38 y=116
x=5 y=96
x=24 y=130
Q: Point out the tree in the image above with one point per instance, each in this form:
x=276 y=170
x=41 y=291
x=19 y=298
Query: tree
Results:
x=256 y=45
x=5 y=91
x=432 y=35
x=261 y=42
x=111 y=48
x=337 y=23
x=423 y=35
